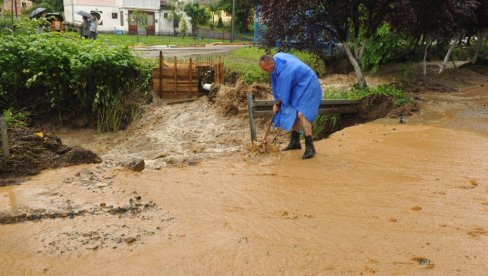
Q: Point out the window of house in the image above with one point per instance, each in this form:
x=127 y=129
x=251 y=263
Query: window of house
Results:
x=114 y=15
x=165 y=15
x=121 y=18
x=24 y=5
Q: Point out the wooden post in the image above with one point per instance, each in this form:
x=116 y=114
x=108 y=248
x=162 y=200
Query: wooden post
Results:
x=176 y=76
x=251 y=118
x=3 y=129
x=222 y=81
x=190 y=86
x=216 y=74
x=161 y=60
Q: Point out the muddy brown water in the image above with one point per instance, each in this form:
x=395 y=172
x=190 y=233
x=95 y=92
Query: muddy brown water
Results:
x=382 y=197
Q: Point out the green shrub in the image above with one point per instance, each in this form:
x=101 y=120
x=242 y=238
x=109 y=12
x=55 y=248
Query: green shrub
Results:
x=68 y=76
x=384 y=47
x=15 y=118
x=398 y=95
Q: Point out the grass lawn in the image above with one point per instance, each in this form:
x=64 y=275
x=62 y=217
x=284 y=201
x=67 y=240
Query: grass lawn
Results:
x=150 y=40
x=243 y=63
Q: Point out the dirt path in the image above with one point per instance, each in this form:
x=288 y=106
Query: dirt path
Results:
x=382 y=197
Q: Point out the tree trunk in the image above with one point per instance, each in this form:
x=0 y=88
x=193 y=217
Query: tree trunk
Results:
x=356 y=48
x=477 y=49
x=363 y=47
x=355 y=64
x=446 y=58
x=428 y=41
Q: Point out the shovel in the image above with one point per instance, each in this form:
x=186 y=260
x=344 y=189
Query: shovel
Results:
x=265 y=139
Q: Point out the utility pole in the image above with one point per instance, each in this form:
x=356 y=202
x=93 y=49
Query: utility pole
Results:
x=232 y=32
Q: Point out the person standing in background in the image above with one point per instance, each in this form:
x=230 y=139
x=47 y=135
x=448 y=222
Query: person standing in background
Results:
x=93 y=28
x=85 y=28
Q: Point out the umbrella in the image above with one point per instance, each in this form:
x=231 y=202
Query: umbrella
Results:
x=96 y=15
x=84 y=13
x=36 y=12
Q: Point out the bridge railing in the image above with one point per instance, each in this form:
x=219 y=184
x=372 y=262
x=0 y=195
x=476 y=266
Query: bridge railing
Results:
x=264 y=108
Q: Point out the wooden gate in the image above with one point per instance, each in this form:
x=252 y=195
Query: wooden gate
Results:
x=176 y=79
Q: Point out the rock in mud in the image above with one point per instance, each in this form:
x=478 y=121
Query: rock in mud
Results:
x=130 y=240
x=135 y=164
x=78 y=155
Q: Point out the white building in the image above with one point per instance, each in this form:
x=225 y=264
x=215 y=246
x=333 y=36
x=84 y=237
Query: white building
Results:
x=118 y=15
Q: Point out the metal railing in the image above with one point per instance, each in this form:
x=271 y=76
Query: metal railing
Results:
x=263 y=108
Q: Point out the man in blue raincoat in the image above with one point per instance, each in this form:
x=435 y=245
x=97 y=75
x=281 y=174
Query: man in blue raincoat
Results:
x=297 y=94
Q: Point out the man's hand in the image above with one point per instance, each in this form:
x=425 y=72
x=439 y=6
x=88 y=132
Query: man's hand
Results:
x=275 y=108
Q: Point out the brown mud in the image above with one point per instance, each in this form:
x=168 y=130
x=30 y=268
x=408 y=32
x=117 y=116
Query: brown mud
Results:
x=33 y=150
x=379 y=198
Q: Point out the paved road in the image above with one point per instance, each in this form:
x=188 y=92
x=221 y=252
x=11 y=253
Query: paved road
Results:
x=185 y=52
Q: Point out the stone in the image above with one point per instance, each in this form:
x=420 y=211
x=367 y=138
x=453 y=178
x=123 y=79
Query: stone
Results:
x=135 y=164
x=130 y=240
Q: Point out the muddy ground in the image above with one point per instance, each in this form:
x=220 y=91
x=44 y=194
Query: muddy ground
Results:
x=32 y=150
x=381 y=197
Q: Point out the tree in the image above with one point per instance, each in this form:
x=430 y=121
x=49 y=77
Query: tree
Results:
x=244 y=11
x=463 y=15
x=198 y=14
x=51 y=5
x=480 y=27
x=140 y=18
x=310 y=23
x=183 y=28
x=433 y=20
x=175 y=13
x=214 y=10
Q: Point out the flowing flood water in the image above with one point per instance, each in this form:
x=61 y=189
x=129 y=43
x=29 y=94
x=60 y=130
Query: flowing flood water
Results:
x=382 y=197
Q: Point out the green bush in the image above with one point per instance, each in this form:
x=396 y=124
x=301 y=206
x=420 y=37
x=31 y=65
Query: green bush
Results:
x=384 y=47
x=68 y=76
x=21 y=25
x=15 y=118
x=398 y=95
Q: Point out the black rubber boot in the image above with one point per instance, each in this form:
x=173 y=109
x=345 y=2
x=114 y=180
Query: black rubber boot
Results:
x=294 y=142
x=309 y=148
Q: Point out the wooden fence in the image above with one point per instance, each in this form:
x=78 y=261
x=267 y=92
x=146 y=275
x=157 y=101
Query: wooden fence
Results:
x=175 y=79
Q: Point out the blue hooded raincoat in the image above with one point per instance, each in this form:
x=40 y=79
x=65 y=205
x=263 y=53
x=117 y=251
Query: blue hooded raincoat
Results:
x=298 y=88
